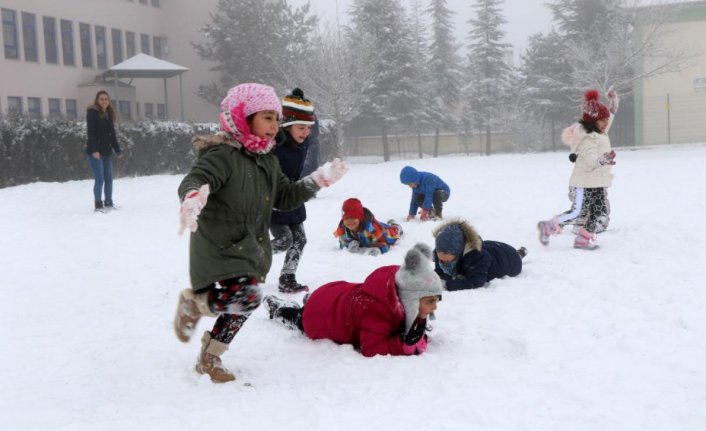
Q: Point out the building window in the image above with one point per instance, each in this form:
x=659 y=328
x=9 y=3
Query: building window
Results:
x=84 y=31
x=155 y=3
x=145 y=43
x=130 y=44
x=117 y=45
x=137 y=109
x=161 y=111
x=34 y=107
x=14 y=105
x=67 y=42
x=124 y=109
x=50 y=48
x=29 y=36
x=101 y=48
x=71 y=108
x=157 y=42
x=149 y=110
x=54 y=107
x=9 y=34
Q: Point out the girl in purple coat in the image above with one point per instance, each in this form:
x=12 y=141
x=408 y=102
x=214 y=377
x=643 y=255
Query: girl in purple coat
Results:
x=384 y=315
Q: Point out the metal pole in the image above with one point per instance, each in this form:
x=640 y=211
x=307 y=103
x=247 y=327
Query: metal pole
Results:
x=166 y=101
x=669 y=121
x=181 y=98
x=115 y=83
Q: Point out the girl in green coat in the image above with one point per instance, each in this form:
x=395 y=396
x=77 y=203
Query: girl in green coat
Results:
x=227 y=199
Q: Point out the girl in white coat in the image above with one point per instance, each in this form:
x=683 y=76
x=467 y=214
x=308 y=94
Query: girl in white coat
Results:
x=591 y=175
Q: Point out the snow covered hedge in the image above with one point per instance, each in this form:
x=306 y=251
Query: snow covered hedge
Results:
x=55 y=149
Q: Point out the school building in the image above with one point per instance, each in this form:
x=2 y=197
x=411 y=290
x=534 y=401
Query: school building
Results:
x=56 y=54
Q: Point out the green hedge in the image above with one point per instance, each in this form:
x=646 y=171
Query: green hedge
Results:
x=55 y=149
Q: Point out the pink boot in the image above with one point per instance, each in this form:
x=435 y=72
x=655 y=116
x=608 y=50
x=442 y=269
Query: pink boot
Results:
x=585 y=240
x=548 y=228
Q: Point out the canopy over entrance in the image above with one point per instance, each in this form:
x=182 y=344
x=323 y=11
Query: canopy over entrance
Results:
x=146 y=66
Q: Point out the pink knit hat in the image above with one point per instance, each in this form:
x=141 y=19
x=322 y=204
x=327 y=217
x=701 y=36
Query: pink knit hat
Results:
x=241 y=102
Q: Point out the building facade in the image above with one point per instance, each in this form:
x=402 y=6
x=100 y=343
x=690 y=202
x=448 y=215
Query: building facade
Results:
x=671 y=107
x=55 y=51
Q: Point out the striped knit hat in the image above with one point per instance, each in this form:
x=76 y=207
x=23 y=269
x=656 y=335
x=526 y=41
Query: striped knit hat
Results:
x=296 y=109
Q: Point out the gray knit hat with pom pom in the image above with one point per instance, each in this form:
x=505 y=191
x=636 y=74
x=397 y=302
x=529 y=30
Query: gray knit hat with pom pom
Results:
x=416 y=279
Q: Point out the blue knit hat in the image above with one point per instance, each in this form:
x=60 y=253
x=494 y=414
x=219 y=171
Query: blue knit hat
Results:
x=451 y=240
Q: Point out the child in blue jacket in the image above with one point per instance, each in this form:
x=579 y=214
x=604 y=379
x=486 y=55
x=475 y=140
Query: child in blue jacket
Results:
x=428 y=192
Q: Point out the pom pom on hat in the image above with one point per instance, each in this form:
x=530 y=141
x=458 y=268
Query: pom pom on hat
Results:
x=416 y=279
x=353 y=208
x=296 y=109
x=593 y=110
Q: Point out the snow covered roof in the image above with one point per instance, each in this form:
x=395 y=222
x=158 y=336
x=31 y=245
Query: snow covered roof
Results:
x=144 y=66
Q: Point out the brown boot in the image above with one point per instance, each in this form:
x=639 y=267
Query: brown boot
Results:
x=189 y=310
x=209 y=361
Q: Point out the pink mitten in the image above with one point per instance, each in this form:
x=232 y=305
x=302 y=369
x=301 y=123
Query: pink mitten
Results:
x=613 y=100
x=607 y=158
x=191 y=207
x=415 y=349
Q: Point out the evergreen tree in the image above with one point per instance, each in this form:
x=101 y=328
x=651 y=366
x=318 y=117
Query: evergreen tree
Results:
x=254 y=41
x=444 y=64
x=546 y=82
x=489 y=74
x=390 y=91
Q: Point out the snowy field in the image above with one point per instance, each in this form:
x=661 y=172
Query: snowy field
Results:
x=613 y=339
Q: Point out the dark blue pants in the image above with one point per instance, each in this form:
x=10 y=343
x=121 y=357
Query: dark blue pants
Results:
x=103 y=175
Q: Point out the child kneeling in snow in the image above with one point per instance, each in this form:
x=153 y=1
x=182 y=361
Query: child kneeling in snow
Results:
x=464 y=261
x=360 y=232
x=384 y=315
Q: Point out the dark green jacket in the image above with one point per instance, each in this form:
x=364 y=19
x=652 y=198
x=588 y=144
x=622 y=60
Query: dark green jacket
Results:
x=232 y=239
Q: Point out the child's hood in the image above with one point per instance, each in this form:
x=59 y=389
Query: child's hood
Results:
x=409 y=175
x=572 y=136
x=473 y=239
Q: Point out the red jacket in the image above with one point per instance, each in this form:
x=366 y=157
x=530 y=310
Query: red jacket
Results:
x=368 y=315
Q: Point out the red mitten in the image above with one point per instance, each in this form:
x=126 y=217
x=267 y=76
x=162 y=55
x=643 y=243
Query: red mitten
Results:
x=424 y=216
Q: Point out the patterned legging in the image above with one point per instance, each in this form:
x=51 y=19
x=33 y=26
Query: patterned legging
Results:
x=596 y=204
x=292 y=239
x=233 y=300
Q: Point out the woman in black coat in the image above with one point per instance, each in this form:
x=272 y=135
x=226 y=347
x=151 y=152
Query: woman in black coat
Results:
x=100 y=144
x=287 y=227
x=464 y=261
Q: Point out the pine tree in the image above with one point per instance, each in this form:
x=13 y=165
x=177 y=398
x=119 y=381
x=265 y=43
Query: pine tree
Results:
x=546 y=83
x=489 y=74
x=390 y=91
x=254 y=41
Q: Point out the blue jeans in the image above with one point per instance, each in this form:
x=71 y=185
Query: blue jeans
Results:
x=103 y=174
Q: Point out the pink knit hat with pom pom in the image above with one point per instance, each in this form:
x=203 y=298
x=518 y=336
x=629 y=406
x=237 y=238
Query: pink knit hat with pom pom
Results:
x=241 y=102
x=593 y=110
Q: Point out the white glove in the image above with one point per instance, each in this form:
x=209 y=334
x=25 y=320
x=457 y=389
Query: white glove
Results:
x=373 y=251
x=191 y=207
x=329 y=173
x=354 y=246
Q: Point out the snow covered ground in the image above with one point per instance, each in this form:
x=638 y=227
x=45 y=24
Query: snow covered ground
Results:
x=613 y=339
